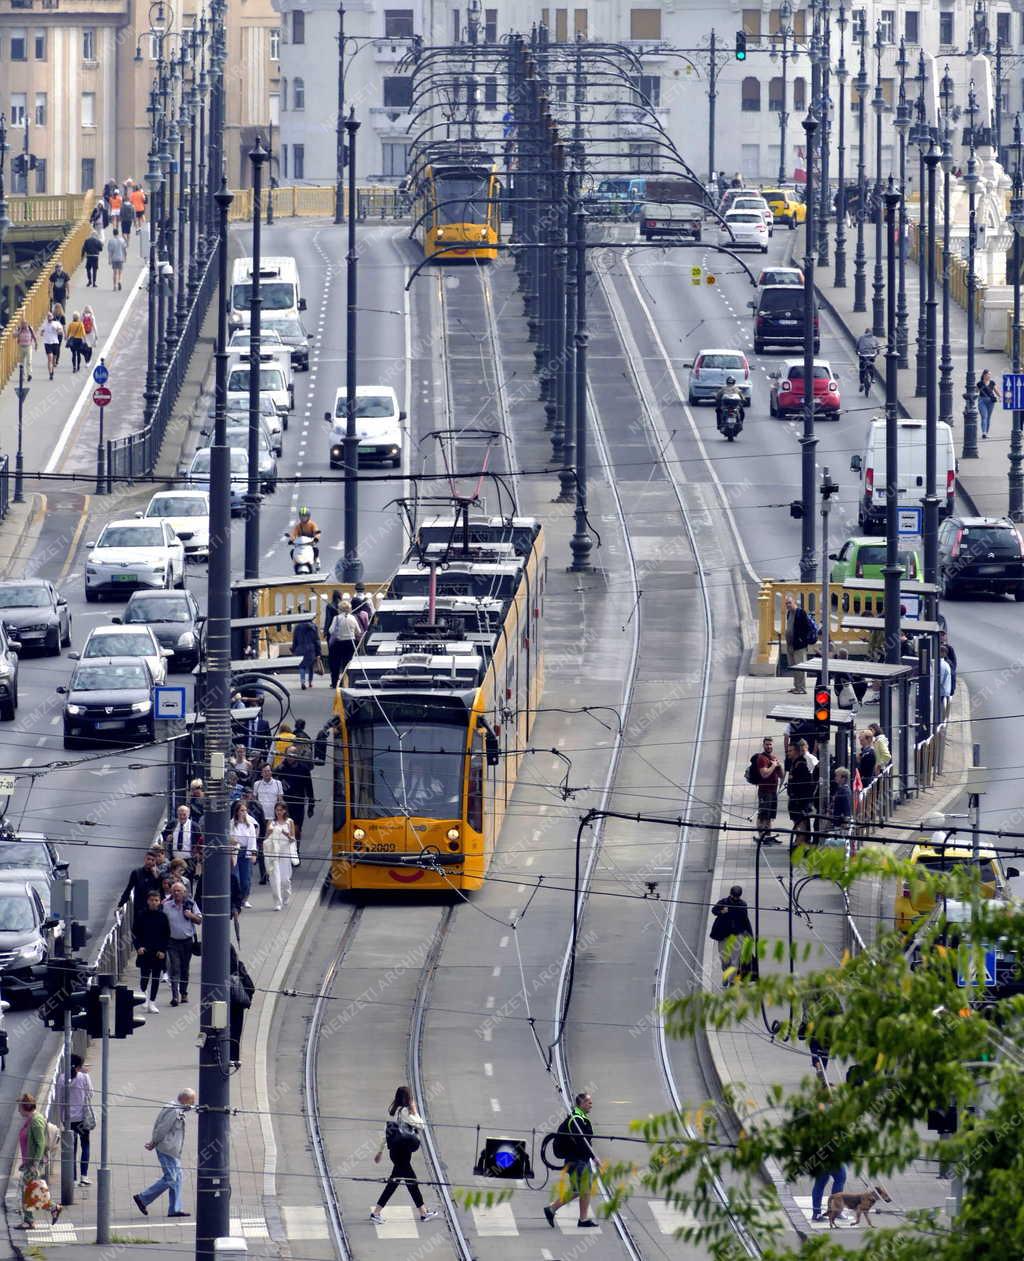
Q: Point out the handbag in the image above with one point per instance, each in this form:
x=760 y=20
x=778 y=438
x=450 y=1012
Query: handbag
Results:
x=293 y=852
x=318 y=664
x=239 y=994
x=401 y=1135
x=197 y=946
x=88 y=1121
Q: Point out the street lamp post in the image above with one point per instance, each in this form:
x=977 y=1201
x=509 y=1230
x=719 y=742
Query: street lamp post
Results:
x=161 y=305
x=19 y=466
x=902 y=125
x=860 y=302
x=257 y=156
x=878 y=286
x=1016 y=219
x=892 y=571
x=946 y=362
x=970 y=447
x=824 y=119
x=5 y=222
x=153 y=181
x=340 y=125
x=842 y=74
x=782 y=50
x=171 y=328
x=184 y=208
x=931 y=500
x=581 y=544
x=352 y=566
x=808 y=439
x=922 y=139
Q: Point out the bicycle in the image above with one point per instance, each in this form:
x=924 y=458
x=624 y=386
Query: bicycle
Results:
x=867 y=372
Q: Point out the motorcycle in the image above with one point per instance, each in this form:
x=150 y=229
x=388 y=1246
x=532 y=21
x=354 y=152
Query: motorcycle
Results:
x=730 y=418
x=303 y=552
x=866 y=369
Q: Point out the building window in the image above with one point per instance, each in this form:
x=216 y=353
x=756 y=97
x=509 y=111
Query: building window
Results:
x=946 y=29
x=858 y=23
x=397 y=23
x=645 y=24
x=887 y=25
x=911 y=26
x=88 y=174
x=751 y=95
x=491 y=92
x=800 y=24
x=889 y=93
x=298 y=27
x=40 y=114
x=396 y=159
x=776 y=96
x=275 y=43
x=88 y=43
x=643 y=158
x=39 y=43
x=284 y=92
x=398 y=91
x=491 y=26
x=752 y=23
x=750 y=161
x=561 y=89
x=275 y=109
x=455 y=26
x=19 y=104
x=19 y=44
x=647 y=88
x=800 y=94
x=298 y=93
x=40 y=175
x=579 y=23
x=284 y=161
x=298 y=161
x=1003 y=29
x=88 y=109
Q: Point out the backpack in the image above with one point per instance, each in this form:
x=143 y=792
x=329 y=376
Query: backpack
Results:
x=401 y=1135
x=750 y=774
x=87 y=323
x=566 y=1137
x=52 y=1138
x=813 y=630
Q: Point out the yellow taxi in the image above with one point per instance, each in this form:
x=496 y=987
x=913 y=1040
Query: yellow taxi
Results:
x=785 y=206
x=935 y=858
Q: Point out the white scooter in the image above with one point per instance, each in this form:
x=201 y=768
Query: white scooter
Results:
x=303 y=551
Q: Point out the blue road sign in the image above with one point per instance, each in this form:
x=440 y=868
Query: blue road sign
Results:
x=169 y=702
x=990 y=972
x=909 y=520
x=100 y=374
x=1013 y=391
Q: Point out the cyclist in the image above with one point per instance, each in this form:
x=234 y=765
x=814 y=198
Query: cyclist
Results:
x=306 y=528
x=727 y=399
x=867 y=352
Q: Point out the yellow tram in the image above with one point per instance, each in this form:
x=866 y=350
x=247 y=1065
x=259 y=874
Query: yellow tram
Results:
x=458 y=204
x=436 y=707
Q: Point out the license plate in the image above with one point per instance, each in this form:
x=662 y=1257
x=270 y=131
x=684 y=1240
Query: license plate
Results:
x=126 y=578
x=108 y=726
x=991 y=569
x=788 y=323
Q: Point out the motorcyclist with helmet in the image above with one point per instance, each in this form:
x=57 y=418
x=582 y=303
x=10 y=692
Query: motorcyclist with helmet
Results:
x=729 y=399
x=306 y=528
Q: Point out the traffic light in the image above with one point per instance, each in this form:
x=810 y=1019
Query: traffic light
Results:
x=504 y=1158
x=741 y=45
x=94 y=1012
x=822 y=710
x=65 y=981
x=125 y=1020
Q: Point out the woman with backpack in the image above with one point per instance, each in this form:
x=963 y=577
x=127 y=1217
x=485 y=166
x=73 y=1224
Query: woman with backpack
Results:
x=91 y=335
x=402 y=1128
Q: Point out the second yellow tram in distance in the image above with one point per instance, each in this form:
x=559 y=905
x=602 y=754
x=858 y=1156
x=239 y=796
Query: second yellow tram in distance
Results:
x=458 y=204
x=436 y=707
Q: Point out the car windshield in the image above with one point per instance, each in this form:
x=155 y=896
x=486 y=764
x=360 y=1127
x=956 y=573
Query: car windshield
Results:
x=237 y=436
x=26 y=597
x=781 y=278
x=267 y=406
x=947 y=862
x=286 y=328
x=418 y=776
x=751 y=203
x=275 y=295
x=24 y=854
x=243 y=341
x=131 y=536
x=874 y=554
x=821 y=373
x=773 y=194
x=462 y=197
x=161 y=609
x=981 y=540
x=368 y=406
x=16 y=915
x=118 y=644
x=181 y=506
x=110 y=678
x=270 y=379
x=721 y=361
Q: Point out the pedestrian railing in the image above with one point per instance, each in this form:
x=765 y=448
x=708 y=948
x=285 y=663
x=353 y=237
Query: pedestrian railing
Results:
x=304 y=595
x=771 y=613
x=316 y=201
x=5 y=485
x=929 y=755
x=872 y=805
x=37 y=301
x=42 y=208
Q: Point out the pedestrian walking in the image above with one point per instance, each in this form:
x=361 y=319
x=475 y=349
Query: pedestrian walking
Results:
x=60 y=285
x=91 y=251
x=950 y=657
x=185 y=839
x=77 y=1112
x=52 y=334
x=240 y=764
x=183 y=915
x=255 y=812
x=32 y=1145
x=114 y=201
x=282 y=743
x=127 y=220
x=573 y=1145
x=254 y=733
x=116 y=254
x=168 y=1141
x=988 y=396
x=840 y=806
x=731 y=923
x=341 y=640
x=241 y=991
x=268 y=791
x=196 y=800
x=297 y=786
x=802 y=787
x=76 y=340
x=306 y=646
x=945 y=675
x=92 y=333
x=302 y=742
x=138 y=200
x=799 y=636
x=880 y=744
x=243 y=848
x=402 y=1129
x=279 y=847
x=98 y=220
x=838 y=1175
x=765 y=771
x=142 y=882
x=26 y=339
x=151 y=934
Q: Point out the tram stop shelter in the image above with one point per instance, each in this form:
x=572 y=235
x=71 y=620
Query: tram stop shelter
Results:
x=841 y=725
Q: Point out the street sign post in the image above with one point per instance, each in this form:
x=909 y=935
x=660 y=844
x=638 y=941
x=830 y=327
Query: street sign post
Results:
x=169 y=703
x=909 y=521
x=1013 y=391
x=101 y=396
x=100 y=373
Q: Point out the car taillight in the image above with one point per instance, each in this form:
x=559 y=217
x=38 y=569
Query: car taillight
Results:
x=955 y=549
x=1020 y=542
x=833 y=388
x=950 y=480
x=759 y=322
x=696 y=367
x=869 y=481
x=648 y=223
x=785 y=385
x=746 y=371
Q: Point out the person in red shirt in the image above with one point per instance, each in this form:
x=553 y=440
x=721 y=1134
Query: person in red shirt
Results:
x=769 y=773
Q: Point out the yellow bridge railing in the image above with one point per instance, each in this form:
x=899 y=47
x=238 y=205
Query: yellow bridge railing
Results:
x=771 y=615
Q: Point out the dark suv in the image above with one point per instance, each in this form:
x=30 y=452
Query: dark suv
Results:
x=779 y=318
x=980 y=554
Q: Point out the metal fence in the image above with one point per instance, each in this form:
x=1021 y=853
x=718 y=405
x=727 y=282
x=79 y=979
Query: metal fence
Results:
x=317 y=201
x=5 y=485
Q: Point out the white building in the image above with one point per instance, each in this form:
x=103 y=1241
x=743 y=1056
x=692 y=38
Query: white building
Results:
x=750 y=93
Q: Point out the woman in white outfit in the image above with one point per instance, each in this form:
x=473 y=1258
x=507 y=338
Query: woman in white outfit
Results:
x=277 y=853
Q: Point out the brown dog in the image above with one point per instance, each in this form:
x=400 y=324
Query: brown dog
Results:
x=861 y=1203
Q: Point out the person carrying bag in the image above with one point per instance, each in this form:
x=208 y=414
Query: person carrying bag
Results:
x=402 y=1129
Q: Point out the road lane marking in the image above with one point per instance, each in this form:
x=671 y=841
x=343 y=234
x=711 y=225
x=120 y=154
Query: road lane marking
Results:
x=73 y=545
x=495 y=1220
x=488 y=1069
x=495 y=1106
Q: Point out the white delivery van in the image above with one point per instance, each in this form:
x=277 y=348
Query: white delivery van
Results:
x=279 y=290
x=911 y=470
x=379 y=425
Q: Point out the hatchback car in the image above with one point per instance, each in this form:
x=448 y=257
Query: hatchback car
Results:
x=754 y=201
x=198 y=474
x=293 y=334
x=188 y=512
x=744 y=229
x=108 y=696
x=134 y=553
x=779 y=318
x=933 y=858
x=785 y=206
x=980 y=554
x=780 y=276
x=126 y=641
x=238 y=436
x=379 y=425
x=28 y=849
x=272 y=354
x=37 y=614
x=787 y=390
x=175 y=620
x=709 y=372
x=22 y=940
x=864 y=557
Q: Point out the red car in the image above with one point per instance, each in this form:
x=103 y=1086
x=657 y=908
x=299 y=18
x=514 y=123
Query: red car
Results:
x=787 y=390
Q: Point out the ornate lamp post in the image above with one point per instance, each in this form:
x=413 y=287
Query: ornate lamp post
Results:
x=878 y=285
x=154 y=179
x=1016 y=220
x=902 y=125
x=946 y=361
x=860 y=302
x=923 y=140
x=781 y=49
x=842 y=74
x=970 y=180
x=825 y=123
x=5 y=222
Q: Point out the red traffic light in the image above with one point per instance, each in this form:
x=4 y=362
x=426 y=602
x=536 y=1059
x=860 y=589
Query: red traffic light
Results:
x=822 y=705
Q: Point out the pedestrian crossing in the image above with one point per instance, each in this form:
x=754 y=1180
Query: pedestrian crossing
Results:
x=803 y=1203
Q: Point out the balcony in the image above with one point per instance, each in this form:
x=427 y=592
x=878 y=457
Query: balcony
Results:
x=391 y=51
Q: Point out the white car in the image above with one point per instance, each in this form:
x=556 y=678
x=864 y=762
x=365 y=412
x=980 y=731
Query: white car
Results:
x=379 y=425
x=127 y=641
x=755 y=202
x=273 y=385
x=239 y=406
x=188 y=512
x=198 y=474
x=239 y=340
x=270 y=356
x=131 y=554
x=748 y=230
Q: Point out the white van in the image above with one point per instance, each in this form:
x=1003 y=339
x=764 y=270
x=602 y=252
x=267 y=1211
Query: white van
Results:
x=911 y=470
x=272 y=384
x=379 y=425
x=279 y=290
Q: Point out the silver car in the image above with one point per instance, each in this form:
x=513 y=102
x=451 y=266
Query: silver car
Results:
x=711 y=368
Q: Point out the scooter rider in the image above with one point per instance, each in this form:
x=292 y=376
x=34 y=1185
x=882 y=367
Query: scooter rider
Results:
x=728 y=399
x=306 y=528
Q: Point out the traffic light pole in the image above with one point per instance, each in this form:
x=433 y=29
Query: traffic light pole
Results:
x=103 y=1175
x=828 y=489
x=67 y=1135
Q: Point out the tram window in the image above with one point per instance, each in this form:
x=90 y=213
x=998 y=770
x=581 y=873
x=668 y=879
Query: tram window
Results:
x=475 y=801
x=462 y=199
x=340 y=787
x=418 y=774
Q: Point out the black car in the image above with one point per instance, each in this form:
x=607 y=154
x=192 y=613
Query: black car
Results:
x=980 y=554
x=27 y=849
x=9 y=649
x=175 y=620
x=293 y=334
x=108 y=696
x=37 y=614
x=779 y=318
x=22 y=940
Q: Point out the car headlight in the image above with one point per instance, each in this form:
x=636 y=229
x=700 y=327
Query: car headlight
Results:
x=358 y=834
x=141 y=707
x=34 y=950
x=75 y=710
x=186 y=640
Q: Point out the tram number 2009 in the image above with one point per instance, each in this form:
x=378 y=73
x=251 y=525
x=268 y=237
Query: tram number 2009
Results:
x=382 y=848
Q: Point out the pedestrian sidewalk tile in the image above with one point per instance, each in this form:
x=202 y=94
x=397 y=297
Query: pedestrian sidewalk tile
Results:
x=399 y=1223
x=566 y=1223
x=669 y=1219
x=304 y=1222
x=249 y=1228
x=62 y=1233
x=497 y=1219
x=803 y=1203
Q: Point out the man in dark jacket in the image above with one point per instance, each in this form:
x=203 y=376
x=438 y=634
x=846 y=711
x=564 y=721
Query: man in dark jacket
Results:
x=575 y=1134
x=797 y=631
x=143 y=881
x=731 y=922
x=151 y=931
x=255 y=812
x=297 y=782
x=91 y=251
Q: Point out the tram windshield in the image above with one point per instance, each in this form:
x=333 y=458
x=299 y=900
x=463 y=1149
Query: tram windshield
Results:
x=462 y=197
x=416 y=772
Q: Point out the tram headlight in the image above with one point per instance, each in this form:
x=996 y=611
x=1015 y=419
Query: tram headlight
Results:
x=453 y=834
x=358 y=834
